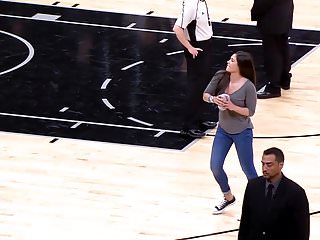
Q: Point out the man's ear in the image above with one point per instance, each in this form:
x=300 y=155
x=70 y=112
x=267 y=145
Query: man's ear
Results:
x=281 y=165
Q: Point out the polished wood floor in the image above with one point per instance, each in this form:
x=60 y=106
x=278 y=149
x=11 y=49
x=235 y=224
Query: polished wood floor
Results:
x=75 y=189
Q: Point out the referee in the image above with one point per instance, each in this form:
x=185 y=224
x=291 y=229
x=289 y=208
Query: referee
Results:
x=194 y=31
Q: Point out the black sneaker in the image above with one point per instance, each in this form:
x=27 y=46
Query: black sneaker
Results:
x=219 y=208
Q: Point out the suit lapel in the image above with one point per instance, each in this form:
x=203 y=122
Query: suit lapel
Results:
x=281 y=189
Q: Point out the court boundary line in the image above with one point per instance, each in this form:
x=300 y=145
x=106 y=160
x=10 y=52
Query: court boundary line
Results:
x=94 y=142
x=227 y=231
x=137 y=29
x=88 y=122
x=137 y=14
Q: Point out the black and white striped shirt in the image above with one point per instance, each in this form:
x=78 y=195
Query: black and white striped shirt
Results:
x=195 y=20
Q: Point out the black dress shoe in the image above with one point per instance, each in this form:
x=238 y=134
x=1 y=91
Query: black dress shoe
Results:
x=285 y=83
x=266 y=95
x=194 y=133
x=208 y=125
x=285 y=86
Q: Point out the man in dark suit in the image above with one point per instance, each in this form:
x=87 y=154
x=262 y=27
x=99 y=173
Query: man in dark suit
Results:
x=274 y=207
x=274 y=21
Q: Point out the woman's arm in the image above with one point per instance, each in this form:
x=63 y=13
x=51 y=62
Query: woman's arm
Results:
x=208 y=98
x=250 y=102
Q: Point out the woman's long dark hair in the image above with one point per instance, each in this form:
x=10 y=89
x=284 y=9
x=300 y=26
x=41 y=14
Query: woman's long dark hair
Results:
x=246 y=66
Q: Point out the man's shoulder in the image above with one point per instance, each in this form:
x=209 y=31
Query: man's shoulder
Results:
x=291 y=184
x=256 y=181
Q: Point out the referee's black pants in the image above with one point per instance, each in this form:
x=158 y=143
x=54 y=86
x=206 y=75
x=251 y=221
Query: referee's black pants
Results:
x=198 y=77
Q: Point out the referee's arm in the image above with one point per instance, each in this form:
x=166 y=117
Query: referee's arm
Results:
x=184 y=41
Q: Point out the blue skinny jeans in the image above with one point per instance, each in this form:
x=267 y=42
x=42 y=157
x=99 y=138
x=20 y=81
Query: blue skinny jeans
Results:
x=220 y=148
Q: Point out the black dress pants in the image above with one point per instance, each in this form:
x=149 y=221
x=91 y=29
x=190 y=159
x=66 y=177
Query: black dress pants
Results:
x=198 y=77
x=277 y=62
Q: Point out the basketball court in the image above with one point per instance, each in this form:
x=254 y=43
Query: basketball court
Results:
x=106 y=76
x=90 y=117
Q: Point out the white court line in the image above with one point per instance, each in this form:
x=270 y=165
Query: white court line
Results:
x=143 y=14
x=256 y=44
x=76 y=125
x=131 y=25
x=105 y=83
x=90 y=24
x=64 y=109
x=244 y=44
x=87 y=122
x=30 y=55
x=139 y=121
x=303 y=44
x=163 y=40
x=136 y=29
x=131 y=65
x=106 y=102
x=173 y=53
x=238 y=38
x=259 y=40
x=262 y=89
x=295 y=64
x=305 y=56
x=42 y=16
x=159 y=134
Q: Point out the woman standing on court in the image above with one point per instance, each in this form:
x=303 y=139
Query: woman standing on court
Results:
x=237 y=104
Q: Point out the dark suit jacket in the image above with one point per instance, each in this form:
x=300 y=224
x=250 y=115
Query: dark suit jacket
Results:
x=273 y=16
x=287 y=217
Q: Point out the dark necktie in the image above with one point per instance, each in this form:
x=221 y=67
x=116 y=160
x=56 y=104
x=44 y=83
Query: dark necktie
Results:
x=269 y=193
